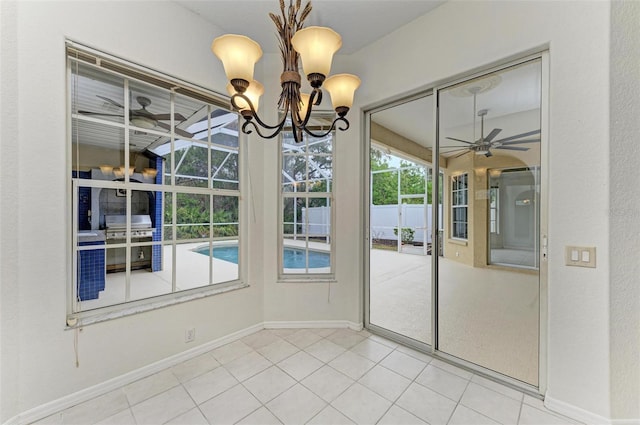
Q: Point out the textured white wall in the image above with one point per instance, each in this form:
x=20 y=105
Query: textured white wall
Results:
x=460 y=36
x=40 y=365
x=9 y=195
x=313 y=301
x=625 y=210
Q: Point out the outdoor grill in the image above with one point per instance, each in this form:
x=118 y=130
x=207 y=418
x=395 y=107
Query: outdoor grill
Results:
x=116 y=226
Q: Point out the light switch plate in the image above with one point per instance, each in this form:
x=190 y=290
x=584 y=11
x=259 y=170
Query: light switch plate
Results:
x=580 y=256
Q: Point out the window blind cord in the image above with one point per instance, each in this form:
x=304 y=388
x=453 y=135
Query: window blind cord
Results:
x=76 y=333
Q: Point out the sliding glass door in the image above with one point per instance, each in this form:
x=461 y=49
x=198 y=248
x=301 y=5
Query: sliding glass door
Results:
x=488 y=278
x=454 y=261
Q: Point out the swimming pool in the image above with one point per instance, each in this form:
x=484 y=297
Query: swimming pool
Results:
x=293 y=258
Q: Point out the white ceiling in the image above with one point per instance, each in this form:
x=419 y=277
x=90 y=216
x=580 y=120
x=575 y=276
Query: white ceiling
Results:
x=359 y=22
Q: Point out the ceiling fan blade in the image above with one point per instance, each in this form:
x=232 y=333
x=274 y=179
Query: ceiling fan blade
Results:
x=466 y=151
x=454 y=147
x=178 y=131
x=458 y=140
x=167 y=117
x=113 y=102
x=492 y=135
x=517 y=136
x=517 y=142
x=511 y=148
x=99 y=113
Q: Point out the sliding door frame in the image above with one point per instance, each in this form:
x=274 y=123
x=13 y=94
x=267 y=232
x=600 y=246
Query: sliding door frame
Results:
x=543 y=55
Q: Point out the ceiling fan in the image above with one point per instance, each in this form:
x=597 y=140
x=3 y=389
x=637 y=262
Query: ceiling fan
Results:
x=142 y=117
x=483 y=145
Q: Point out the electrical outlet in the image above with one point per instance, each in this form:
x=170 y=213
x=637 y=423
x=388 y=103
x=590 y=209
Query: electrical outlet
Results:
x=190 y=335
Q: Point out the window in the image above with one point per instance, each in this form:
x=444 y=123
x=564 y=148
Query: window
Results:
x=494 y=202
x=155 y=187
x=459 y=196
x=307 y=204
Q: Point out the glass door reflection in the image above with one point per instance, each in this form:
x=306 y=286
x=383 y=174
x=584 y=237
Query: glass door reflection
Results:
x=488 y=277
x=400 y=219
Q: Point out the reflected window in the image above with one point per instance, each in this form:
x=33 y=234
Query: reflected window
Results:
x=459 y=211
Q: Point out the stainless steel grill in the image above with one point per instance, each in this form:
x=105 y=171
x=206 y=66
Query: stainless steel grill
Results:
x=116 y=226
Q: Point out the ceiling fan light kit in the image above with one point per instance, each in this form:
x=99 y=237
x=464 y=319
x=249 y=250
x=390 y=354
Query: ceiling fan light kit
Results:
x=315 y=46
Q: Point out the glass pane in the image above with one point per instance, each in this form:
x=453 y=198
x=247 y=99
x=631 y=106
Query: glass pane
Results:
x=167 y=222
x=489 y=315
x=147 y=277
x=191 y=168
x=294 y=173
x=320 y=173
x=96 y=94
x=192 y=266
x=399 y=255
x=97 y=151
x=91 y=271
x=226 y=260
x=192 y=216
x=224 y=169
x=225 y=217
x=149 y=107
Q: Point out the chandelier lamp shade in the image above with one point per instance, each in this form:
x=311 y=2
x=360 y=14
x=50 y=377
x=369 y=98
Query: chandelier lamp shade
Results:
x=314 y=47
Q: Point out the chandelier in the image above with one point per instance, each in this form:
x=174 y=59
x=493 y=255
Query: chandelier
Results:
x=315 y=46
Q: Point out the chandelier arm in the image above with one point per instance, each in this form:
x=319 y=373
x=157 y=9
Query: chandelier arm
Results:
x=302 y=123
x=254 y=114
x=333 y=127
x=250 y=123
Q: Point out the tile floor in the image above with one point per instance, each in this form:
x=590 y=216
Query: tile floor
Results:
x=311 y=376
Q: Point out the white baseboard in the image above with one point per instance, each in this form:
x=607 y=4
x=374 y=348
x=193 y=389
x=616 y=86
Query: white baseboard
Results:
x=577 y=413
x=94 y=391
x=625 y=421
x=314 y=324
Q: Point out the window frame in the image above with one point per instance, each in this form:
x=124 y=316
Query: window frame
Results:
x=282 y=195
x=128 y=71
x=455 y=189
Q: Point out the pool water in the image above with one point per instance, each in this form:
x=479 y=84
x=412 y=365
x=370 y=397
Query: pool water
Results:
x=293 y=258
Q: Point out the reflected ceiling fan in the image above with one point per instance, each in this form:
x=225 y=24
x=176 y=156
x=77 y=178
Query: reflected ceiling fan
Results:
x=483 y=145
x=142 y=117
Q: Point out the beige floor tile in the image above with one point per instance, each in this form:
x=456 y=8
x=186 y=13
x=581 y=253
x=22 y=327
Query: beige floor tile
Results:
x=352 y=364
x=426 y=404
x=372 y=350
x=361 y=405
x=269 y=384
x=230 y=406
x=443 y=382
x=397 y=415
x=163 y=407
x=96 y=409
x=325 y=350
x=192 y=368
x=330 y=416
x=403 y=364
x=278 y=350
x=497 y=406
x=327 y=383
x=300 y=365
x=296 y=405
x=385 y=382
x=210 y=384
